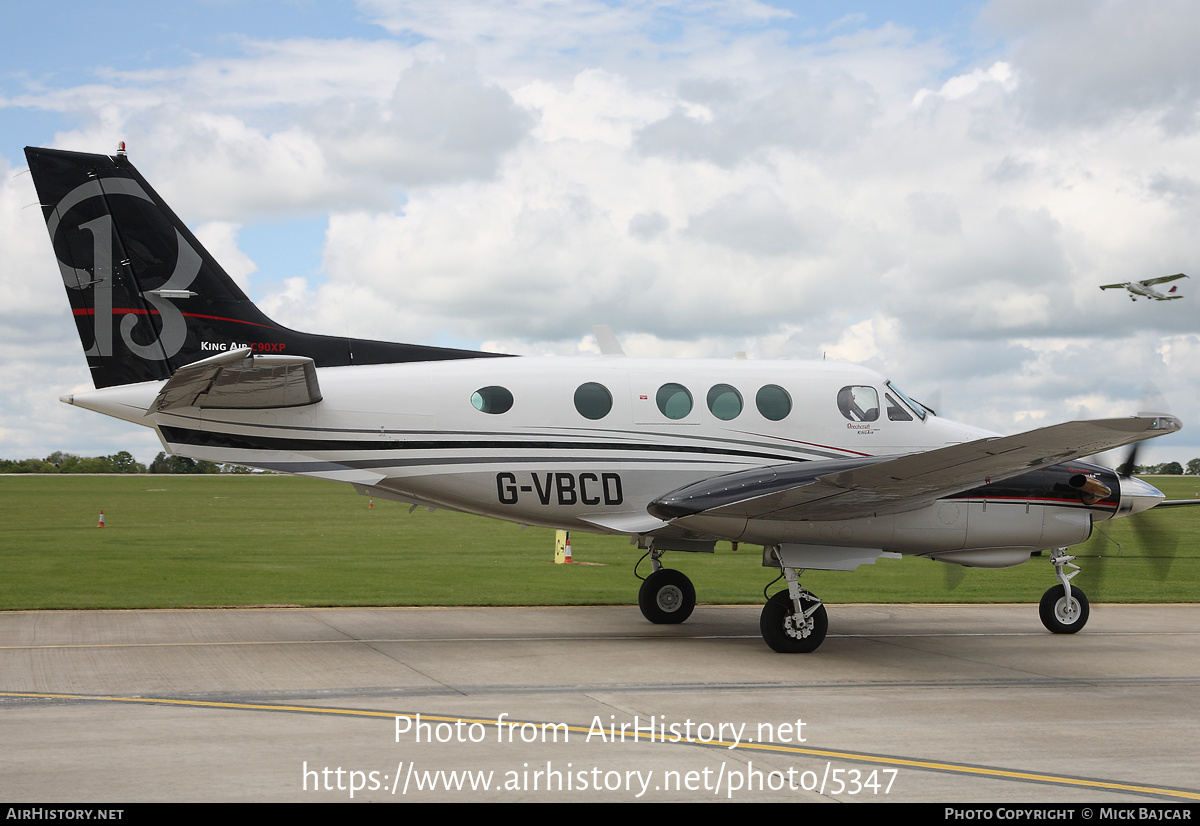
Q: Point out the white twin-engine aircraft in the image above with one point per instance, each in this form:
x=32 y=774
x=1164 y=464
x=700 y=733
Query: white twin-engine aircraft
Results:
x=827 y=466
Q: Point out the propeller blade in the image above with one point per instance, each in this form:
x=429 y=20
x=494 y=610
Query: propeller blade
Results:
x=1158 y=543
x=1093 y=573
x=953 y=575
x=1127 y=467
x=1141 y=545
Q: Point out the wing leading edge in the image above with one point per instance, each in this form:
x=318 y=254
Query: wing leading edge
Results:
x=1163 y=279
x=856 y=488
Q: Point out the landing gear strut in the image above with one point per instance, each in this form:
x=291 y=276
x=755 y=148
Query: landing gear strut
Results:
x=793 y=621
x=1064 y=610
x=667 y=596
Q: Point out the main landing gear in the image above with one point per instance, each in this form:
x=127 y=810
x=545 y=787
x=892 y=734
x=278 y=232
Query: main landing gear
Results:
x=1064 y=610
x=667 y=596
x=793 y=621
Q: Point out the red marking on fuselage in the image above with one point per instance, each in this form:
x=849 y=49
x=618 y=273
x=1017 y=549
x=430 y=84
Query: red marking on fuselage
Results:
x=1033 y=500
x=809 y=444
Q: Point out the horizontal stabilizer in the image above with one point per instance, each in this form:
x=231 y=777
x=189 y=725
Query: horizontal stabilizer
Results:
x=240 y=380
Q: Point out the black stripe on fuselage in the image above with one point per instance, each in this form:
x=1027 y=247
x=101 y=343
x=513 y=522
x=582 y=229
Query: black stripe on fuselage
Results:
x=791 y=452
x=292 y=444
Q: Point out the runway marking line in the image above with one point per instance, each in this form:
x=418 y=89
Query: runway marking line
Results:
x=928 y=765
x=580 y=638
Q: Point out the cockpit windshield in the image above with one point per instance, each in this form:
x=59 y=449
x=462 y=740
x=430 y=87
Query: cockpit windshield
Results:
x=916 y=408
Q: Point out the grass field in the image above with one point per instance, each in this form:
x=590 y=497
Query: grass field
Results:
x=175 y=541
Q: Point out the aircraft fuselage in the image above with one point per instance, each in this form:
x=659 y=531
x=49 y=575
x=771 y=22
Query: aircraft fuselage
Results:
x=422 y=433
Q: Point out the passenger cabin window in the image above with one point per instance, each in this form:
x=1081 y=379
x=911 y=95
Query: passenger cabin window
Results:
x=593 y=401
x=773 y=402
x=674 y=401
x=724 y=402
x=859 y=404
x=492 y=400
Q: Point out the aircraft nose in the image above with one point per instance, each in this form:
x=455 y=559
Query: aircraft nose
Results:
x=1137 y=496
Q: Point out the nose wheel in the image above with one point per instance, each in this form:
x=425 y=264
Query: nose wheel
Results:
x=1064 y=613
x=1063 y=609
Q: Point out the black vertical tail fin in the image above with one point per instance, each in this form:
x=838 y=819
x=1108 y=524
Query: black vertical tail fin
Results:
x=147 y=297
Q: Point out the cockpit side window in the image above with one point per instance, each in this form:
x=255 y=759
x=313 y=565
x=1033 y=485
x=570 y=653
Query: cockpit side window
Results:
x=859 y=403
x=896 y=411
x=912 y=405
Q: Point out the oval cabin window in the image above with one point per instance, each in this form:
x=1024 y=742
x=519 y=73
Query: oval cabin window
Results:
x=773 y=402
x=492 y=399
x=593 y=401
x=724 y=402
x=674 y=401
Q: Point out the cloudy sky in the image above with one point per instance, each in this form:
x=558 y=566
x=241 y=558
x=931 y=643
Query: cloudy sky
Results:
x=935 y=190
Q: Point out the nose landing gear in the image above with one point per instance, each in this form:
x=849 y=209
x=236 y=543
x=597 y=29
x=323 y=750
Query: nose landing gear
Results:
x=1063 y=609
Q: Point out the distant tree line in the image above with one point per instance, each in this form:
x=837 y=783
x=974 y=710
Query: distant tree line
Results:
x=1170 y=468
x=123 y=462
x=120 y=462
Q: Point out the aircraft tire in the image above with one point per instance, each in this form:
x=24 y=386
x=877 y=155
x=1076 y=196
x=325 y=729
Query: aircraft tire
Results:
x=667 y=597
x=779 y=632
x=1060 y=617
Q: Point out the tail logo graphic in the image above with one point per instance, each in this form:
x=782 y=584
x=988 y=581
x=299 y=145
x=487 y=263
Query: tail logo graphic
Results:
x=173 y=330
x=128 y=261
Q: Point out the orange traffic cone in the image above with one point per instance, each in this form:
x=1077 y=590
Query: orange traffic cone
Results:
x=101 y=523
x=567 y=555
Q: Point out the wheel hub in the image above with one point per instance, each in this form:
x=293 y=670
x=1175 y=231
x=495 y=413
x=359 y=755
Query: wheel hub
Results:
x=669 y=598
x=1066 y=610
x=797 y=626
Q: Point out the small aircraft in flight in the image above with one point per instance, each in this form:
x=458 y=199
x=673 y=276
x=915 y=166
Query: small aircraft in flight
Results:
x=1144 y=288
x=827 y=466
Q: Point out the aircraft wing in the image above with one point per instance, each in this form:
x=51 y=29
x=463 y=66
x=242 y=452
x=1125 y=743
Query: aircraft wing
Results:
x=855 y=488
x=1162 y=279
x=1113 y=286
x=239 y=379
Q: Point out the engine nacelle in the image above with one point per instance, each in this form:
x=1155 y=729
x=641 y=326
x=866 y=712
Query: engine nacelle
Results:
x=989 y=534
